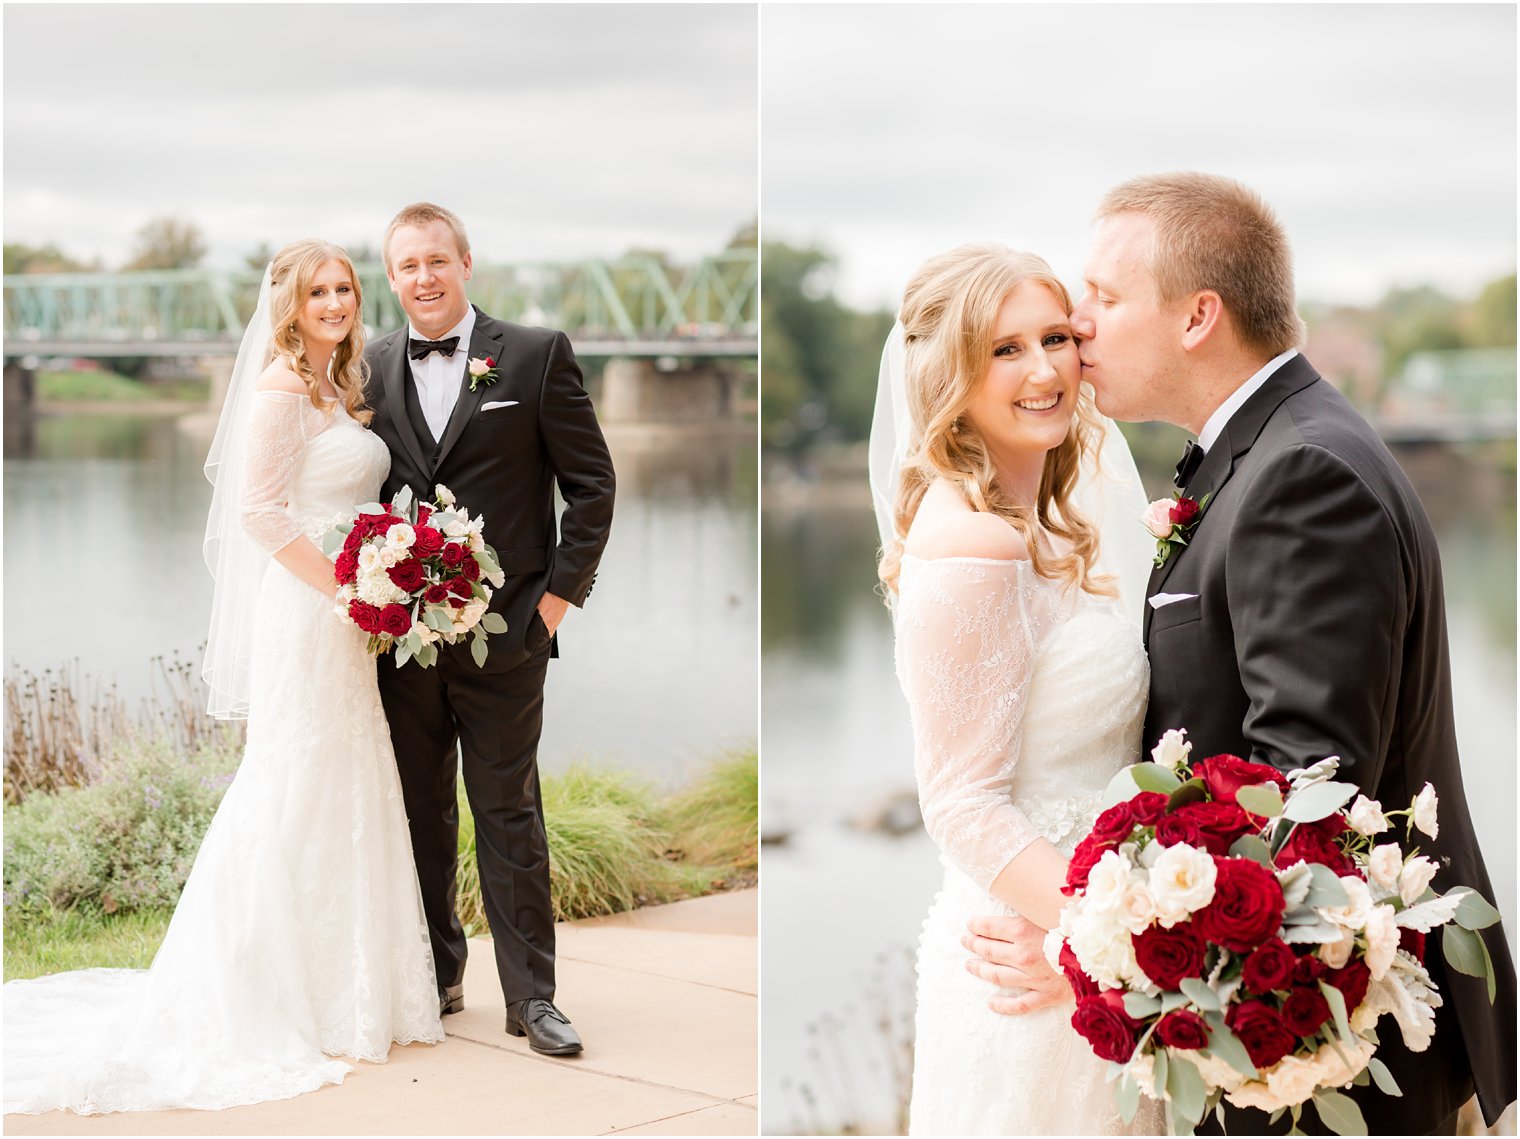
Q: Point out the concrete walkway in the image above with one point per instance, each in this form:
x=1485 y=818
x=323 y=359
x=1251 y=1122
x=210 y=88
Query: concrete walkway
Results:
x=664 y=997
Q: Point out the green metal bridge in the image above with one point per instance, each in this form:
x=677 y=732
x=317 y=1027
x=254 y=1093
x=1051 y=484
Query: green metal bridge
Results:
x=633 y=307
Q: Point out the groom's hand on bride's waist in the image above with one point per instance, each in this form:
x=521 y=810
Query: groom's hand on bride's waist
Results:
x=1009 y=952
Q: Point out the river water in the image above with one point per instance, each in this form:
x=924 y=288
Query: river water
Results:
x=842 y=906
x=104 y=516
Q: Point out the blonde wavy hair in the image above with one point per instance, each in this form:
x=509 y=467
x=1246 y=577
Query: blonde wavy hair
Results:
x=290 y=275
x=949 y=318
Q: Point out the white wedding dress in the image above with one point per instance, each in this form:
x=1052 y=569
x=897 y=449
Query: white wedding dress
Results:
x=300 y=936
x=1025 y=700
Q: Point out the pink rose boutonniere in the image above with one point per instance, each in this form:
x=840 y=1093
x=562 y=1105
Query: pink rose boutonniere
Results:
x=1171 y=521
x=482 y=370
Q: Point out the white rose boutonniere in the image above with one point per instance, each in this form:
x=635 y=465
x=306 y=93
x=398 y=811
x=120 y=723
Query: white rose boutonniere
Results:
x=482 y=370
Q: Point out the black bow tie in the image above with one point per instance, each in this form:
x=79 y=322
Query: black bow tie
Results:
x=1188 y=465
x=418 y=349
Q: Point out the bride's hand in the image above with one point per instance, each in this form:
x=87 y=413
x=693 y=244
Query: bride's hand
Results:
x=1010 y=953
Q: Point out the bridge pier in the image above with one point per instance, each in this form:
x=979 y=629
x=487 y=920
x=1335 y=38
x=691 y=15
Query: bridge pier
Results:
x=20 y=407
x=662 y=390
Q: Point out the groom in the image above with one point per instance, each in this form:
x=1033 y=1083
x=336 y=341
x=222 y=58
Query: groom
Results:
x=500 y=443
x=1305 y=617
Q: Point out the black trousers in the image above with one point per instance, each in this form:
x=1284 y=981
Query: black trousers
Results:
x=492 y=720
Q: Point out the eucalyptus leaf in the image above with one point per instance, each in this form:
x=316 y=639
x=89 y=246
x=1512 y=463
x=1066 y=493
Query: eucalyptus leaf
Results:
x=428 y=656
x=1140 y=1006
x=1184 y=1084
x=403 y=499
x=478 y=651
x=1154 y=777
x=1261 y=799
x=1466 y=953
x=1192 y=791
x=1160 y=1070
x=436 y=617
x=1252 y=847
x=1339 y=1113
x=1383 y=1077
x=1127 y=1097
x=494 y=623
x=1327 y=889
x=370 y=508
x=487 y=561
x=1171 y=1000
x=1317 y=801
x=403 y=653
x=1337 y=1005
x=1474 y=912
x=332 y=542
x=1200 y=994
x=479 y=591
x=1120 y=788
x=1227 y=1046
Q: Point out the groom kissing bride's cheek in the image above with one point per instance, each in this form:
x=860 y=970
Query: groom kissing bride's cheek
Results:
x=1301 y=616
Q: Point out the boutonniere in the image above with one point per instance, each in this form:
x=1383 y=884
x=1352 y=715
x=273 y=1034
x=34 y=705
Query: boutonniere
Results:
x=482 y=370
x=1172 y=520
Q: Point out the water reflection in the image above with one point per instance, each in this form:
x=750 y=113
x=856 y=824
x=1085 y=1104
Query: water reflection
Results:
x=836 y=741
x=103 y=526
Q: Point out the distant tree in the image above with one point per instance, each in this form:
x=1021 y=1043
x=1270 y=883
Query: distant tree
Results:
x=1492 y=315
x=260 y=257
x=747 y=236
x=1419 y=319
x=23 y=258
x=167 y=243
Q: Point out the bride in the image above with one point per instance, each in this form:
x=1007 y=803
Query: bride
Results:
x=1018 y=647
x=299 y=936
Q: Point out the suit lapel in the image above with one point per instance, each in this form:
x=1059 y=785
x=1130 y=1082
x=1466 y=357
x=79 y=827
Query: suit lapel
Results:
x=395 y=373
x=1239 y=435
x=485 y=340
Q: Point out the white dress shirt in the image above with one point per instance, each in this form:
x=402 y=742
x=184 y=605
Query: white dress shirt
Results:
x=438 y=377
x=1212 y=429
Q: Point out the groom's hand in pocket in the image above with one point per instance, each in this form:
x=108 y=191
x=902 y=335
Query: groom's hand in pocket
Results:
x=552 y=609
x=1009 y=952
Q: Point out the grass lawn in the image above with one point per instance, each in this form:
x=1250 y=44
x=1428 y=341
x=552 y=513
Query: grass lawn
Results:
x=80 y=940
x=108 y=387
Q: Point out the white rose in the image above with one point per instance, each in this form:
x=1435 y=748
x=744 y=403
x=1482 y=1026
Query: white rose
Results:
x=401 y=536
x=1182 y=882
x=1336 y=953
x=1384 y=864
x=1418 y=872
x=1158 y=517
x=1135 y=908
x=1332 y=1071
x=1254 y=1094
x=1216 y=1073
x=497 y=578
x=1425 y=811
x=457 y=528
x=1054 y=939
x=1353 y=915
x=1366 y=816
x=1292 y=1080
x=1172 y=749
x=443 y=495
x=478 y=366
x=427 y=635
x=1103 y=947
x=1382 y=935
x=1143 y=1070
x=369 y=559
x=1107 y=881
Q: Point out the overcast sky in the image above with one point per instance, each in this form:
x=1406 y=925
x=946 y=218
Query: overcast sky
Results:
x=1384 y=135
x=553 y=130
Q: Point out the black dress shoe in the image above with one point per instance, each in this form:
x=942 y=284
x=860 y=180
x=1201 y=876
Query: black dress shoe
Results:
x=547 y=1029
x=450 y=999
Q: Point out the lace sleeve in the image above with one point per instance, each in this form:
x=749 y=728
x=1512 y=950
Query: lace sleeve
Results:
x=276 y=444
x=967 y=631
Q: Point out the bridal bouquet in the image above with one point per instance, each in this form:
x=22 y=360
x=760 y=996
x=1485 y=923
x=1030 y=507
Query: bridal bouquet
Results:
x=410 y=575
x=1235 y=933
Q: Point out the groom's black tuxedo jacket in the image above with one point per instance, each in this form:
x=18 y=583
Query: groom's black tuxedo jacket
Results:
x=503 y=463
x=1318 y=628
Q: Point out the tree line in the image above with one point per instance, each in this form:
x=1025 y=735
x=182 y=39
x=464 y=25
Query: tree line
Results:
x=820 y=357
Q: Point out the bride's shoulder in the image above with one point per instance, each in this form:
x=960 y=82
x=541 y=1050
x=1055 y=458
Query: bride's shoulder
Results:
x=947 y=527
x=280 y=377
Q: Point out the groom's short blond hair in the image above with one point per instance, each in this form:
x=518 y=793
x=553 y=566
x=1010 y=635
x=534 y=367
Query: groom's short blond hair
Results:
x=1216 y=233
x=421 y=213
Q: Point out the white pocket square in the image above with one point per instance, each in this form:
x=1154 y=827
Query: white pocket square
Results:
x=1160 y=599
x=498 y=403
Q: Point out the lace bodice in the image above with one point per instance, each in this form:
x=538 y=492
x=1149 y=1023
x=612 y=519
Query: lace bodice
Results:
x=1025 y=699
x=307 y=468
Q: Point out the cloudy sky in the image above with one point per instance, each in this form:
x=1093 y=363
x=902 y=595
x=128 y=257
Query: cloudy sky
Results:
x=1384 y=135
x=553 y=130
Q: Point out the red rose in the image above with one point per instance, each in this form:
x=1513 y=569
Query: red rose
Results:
x=346 y=568
x=1270 y=967
x=1178 y=828
x=453 y=553
x=1352 y=981
x=1081 y=984
x=1183 y=1028
x=1307 y=844
x=1247 y=907
x=1184 y=511
x=1115 y=824
x=457 y=602
x=1103 y=1023
x=1148 y=807
x=352 y=542
x=428 y=542
x=365 y=615
x=1083 y=859
x=1305 y=1010
x=470 y=568
x=1308 y=969
x=424 y=512
x=1224 y=775
x=1412 y=942
x=395 y=620
x=490 y=362
x=459 y=587
x=1168 y=955
x=408 y=575
x=1215 y=825
x=1262 y=1031
x=436 y=594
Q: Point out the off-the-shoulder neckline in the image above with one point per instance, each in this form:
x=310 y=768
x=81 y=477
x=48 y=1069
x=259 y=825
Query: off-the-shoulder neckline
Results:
x=967 y=558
